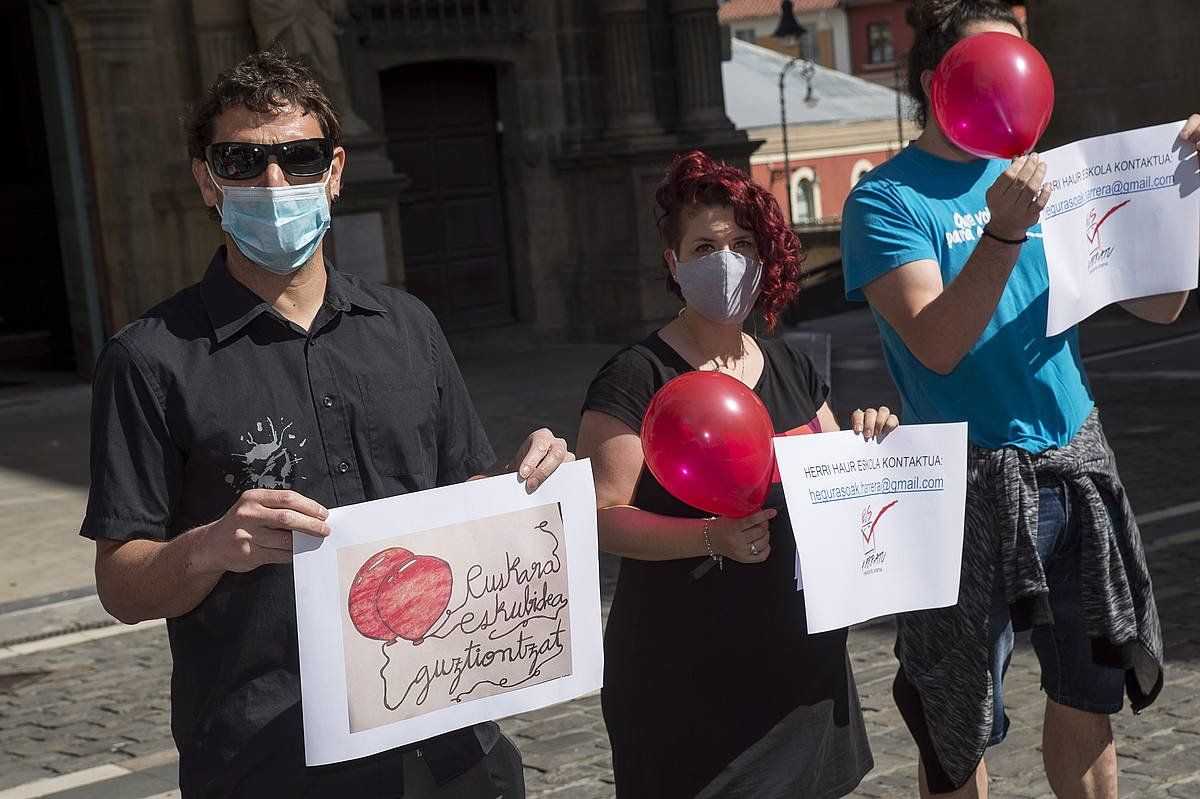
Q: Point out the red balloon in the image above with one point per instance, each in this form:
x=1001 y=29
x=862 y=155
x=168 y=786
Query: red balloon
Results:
x=992 y=95
x=364 y=591
x=414 y=596
x=707 y=439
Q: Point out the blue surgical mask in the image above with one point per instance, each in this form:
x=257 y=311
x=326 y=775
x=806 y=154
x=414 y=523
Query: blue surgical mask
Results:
x=276 y=227
x=721 y=286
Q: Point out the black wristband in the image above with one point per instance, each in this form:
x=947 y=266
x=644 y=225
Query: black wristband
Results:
x=992 y=235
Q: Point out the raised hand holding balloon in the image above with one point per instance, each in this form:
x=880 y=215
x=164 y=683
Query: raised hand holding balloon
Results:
x=707 y=439
x=992 y=95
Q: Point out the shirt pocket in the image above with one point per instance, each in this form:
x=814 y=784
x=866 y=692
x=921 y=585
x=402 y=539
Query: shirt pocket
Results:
x=401 y=414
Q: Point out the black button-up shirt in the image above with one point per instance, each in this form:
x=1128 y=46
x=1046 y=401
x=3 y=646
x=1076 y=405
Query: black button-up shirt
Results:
x=213 y=393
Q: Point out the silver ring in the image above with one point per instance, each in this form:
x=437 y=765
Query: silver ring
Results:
x=753 y=549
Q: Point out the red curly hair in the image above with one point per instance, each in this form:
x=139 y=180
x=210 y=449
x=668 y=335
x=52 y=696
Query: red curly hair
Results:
x=695 y=180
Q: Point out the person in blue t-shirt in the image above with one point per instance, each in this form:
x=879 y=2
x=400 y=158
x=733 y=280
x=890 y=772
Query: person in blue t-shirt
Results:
x=946 y=248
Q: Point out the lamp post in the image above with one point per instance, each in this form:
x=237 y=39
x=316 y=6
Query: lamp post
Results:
x=789 y=30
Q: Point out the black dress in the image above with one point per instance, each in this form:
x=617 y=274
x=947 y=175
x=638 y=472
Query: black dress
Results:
x=712 y=685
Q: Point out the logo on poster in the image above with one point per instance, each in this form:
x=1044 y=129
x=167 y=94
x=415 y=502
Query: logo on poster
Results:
x=1098 y=255
x=873 y=554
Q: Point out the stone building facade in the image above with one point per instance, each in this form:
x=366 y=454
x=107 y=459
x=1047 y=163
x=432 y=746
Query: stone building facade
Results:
x=502 y=164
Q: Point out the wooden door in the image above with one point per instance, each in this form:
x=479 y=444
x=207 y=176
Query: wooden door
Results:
x=442 y=128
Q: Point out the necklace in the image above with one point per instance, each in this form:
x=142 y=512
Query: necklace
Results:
x=741 y=356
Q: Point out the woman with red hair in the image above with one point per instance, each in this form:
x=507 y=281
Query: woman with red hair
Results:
x=712 y=685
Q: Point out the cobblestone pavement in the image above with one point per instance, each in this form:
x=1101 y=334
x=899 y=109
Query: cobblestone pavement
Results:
x=104 y=701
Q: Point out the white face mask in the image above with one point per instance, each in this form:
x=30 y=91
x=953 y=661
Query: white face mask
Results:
x=721 y=286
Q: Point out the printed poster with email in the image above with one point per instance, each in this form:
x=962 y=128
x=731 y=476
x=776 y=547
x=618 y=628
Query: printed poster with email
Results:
x=878 y=525
x=1123 y=221
x=432 y=611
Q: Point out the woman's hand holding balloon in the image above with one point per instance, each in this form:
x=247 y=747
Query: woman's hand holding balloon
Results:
x=1017 y=197
x=746 y=539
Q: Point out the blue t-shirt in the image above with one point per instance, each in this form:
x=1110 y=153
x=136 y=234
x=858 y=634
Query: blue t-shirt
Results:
x=1016 y=387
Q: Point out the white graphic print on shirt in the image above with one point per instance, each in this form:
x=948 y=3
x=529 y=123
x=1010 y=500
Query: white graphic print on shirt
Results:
x=968 y=227
x=269 y=463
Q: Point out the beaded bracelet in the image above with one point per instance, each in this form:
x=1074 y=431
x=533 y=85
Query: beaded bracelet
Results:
x=720 y=559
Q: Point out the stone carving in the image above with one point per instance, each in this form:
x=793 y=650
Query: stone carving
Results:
x=308 y=29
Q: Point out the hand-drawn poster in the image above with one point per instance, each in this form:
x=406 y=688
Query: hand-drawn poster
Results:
x=878 y=524
x=497 y=619
x=428 y=612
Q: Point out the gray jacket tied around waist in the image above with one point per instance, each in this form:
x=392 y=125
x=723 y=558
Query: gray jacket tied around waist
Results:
x=945 y=652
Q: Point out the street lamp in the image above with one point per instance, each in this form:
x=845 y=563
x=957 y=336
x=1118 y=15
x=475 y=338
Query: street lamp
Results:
x=790 y=31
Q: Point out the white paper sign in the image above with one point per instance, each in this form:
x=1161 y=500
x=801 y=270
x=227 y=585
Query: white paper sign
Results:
x=878 y=525
x=433 y=611
x=1123 y=221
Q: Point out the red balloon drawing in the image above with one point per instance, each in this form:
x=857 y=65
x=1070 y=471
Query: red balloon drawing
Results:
x=707 y=438
x=397 y=594
x=414 y=596
x=364 y=611
x=992 y=95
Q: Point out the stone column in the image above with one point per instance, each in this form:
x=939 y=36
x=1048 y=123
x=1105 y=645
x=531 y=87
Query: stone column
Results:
x=628 y=87
x=119 y=86
x=698 y=65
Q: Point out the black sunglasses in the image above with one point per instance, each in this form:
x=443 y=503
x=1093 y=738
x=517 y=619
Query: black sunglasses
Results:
x=240 y=160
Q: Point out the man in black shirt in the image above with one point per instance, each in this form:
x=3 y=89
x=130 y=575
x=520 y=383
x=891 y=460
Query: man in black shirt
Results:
x=240 y=410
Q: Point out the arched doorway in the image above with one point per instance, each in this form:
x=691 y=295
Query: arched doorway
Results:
x=443 y=132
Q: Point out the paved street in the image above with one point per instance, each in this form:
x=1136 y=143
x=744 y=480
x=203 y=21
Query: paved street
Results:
x=84 y=704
